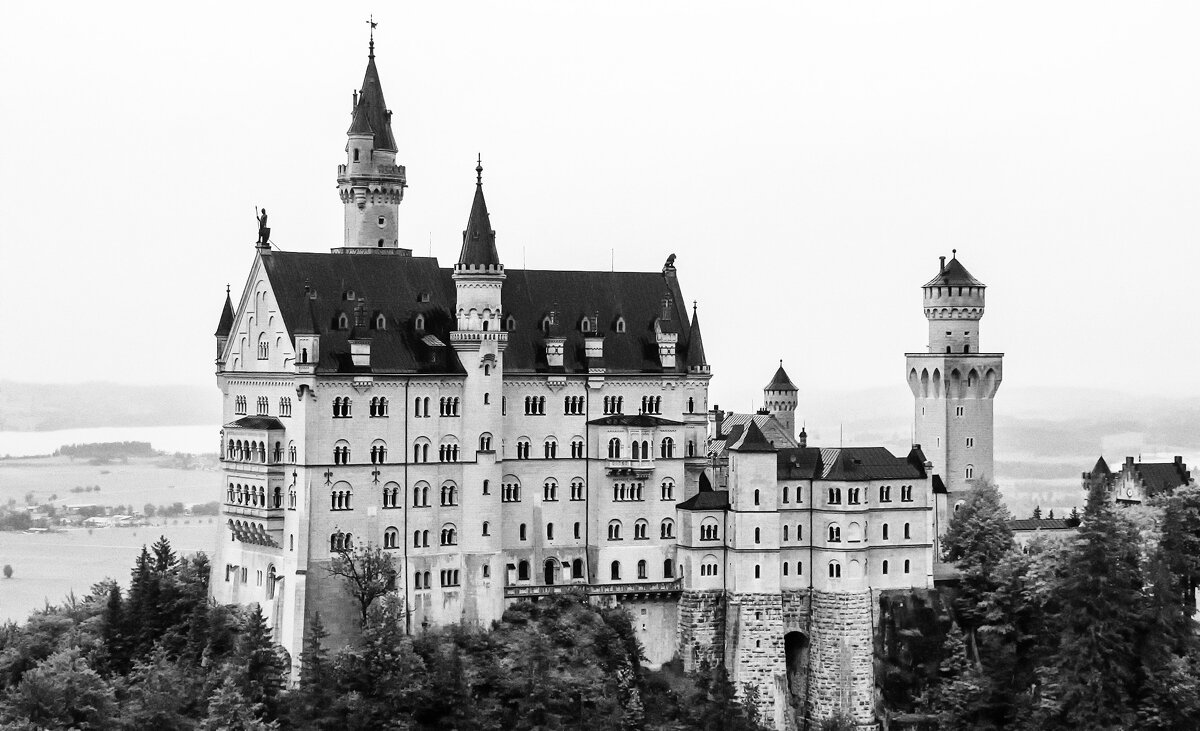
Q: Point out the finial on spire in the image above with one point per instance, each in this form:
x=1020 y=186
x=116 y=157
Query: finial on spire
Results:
x=479 y=169
x=226 y=290
x=954 y=252
x=693 y=308
x=371 y=22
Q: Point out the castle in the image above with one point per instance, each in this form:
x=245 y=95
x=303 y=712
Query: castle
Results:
x=508 y=434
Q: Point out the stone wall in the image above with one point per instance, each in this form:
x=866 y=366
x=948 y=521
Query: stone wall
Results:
x=842 y=676
x=755 y=654
x=701 y=628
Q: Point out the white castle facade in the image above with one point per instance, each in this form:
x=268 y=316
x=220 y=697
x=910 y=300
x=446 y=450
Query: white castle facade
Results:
x=508 y=434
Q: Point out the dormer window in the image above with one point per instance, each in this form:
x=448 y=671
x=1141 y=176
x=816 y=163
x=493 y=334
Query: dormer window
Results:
x=620 y=324
x=511 y=323
x=423 y=297
x=343 y=322
x=586 y=325
x=349 y=295
x=546 y=325
x=380 y=322
x=420 y=323
x=355 y=154
x=381 y=221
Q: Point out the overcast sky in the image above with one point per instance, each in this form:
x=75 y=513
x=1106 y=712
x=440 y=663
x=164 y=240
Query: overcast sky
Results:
x=807 y=163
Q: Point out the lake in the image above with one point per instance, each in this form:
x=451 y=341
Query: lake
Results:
x=195 y=439
x=49 y=566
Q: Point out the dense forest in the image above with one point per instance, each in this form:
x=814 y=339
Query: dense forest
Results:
x=1096 y=632
x=160 y=656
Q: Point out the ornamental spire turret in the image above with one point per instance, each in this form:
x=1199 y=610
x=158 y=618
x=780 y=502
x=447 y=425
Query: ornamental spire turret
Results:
x=479 y=240
x=370 y=183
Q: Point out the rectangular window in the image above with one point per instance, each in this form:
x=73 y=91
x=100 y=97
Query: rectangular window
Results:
x=958 y=410
x=970 y=441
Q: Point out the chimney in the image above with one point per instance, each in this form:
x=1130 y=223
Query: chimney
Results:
x=1129 y=461
x=942 y=266
x=803 y=441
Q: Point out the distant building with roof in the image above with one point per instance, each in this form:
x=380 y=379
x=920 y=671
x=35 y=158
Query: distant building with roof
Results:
x=1027 y=529
x=1137 y=481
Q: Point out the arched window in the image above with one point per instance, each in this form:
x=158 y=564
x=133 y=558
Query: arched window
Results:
x=523 y=571
x=614 y=530
x=449 y=494
x=835 y=533
x=550 y=448
x=885 y=531
x=758 y=535
x=668 y=569
x=970 y=472
x=521 y=532
x=550 y=490
x=667 y=489
x=391 y=538
x=709 y=529
x=907 y=565
x=907 y=531
x=421 y=494
x=756 y=497
x=577 y=569
x=785 y=493
x=449 y=535
x=640 y=528
x=835 y=570
x=615 y=571
x=421 y=450
x=378 y=452
x=641 y=568
x=666 y=529
x=419 y=323
x=485 y=442
x=885 y=566
x=620 y=324
x=614 y=448
x=487 y=528
x=785 y=533
x=667 y=448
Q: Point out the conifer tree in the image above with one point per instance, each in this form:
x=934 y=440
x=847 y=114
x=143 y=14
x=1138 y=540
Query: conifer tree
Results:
x=958 y=695
x=165 y=559
x=1094 y=666
x=977 y=539
x=1037 y=512
x=262 y=667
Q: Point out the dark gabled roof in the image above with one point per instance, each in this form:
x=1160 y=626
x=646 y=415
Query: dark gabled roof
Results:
x=752 y=440
x=479 y=240
x=954 y=274
x=530 y=295
x=780 y=381
x=733 y=425
x=695 y=355
x=939 y=487
x=706 y=500
x=226 y=323
x=394 y=285
x=1160 y=477
x=1039 y=524
x=643 y=420
x=371 y=115
x=258 y=423
x=847 y=464
x=1101 y=468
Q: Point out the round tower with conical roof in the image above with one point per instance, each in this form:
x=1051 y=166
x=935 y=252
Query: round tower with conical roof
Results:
x=779 y=398
x=953 y=384
x=370 y=183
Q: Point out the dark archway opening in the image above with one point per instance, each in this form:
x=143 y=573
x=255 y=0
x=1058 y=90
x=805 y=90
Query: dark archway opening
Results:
x=795 y=648
x=550 y=569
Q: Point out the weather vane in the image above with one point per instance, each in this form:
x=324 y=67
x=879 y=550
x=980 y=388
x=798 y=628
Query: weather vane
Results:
x=371 y=22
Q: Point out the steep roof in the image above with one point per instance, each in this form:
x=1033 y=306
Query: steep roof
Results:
x=846 y=464
x=479 y=240
x=695 y=355
x=1101 y=468
x=371 y=115
x=954 y=274
x=780 y=381
x=396 y=285
x=734 y=424
x=1039 y=524
x=226 y=322
x=259 y=423
x=706 y=500
x=752 y=440
x=640 y=420
x=1160 y=477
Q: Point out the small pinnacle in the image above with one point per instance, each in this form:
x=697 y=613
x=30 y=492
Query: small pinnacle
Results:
x=954 y=252
x=479 y=170
x=226 y=290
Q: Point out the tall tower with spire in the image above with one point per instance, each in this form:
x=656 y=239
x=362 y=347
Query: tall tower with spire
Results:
x=779 y=397
x=954 y=384
x=370 y=183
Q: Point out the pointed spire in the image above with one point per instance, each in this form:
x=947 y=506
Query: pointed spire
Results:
x=752 y=440
x=781 y=382
x=695 y=357
x=479 y=240
x=371 y=115
x=226 y=323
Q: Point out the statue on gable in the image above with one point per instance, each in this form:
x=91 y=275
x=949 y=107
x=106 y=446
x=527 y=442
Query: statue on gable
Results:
x=264 y=233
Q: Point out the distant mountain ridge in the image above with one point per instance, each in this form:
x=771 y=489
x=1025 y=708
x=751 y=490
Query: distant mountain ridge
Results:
x=50 y=407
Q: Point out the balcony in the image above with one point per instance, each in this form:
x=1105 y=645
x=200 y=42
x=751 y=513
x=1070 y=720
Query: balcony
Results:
x=629 y=467
x=246 y=511
x=643 y=588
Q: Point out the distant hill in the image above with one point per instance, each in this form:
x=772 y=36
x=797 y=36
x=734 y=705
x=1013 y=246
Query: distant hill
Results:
x=49 y=407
